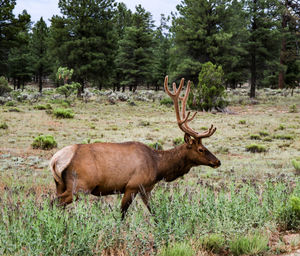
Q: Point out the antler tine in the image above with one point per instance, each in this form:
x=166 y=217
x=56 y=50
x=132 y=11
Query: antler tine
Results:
x=184 y=119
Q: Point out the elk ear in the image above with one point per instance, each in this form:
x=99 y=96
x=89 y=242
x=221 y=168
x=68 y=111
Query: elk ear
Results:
x=188 y=140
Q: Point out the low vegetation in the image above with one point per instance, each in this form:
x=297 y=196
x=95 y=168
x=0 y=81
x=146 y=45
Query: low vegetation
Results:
x=63 y=113
x=256 y=148
x=44 y=142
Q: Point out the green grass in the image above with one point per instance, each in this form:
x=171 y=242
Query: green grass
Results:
x=63 y=113
x=177 y=249
x=256 y=148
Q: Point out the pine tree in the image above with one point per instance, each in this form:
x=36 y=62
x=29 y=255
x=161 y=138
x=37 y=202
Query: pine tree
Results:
x=198 y=35
x=88 y=39
x=135 y=52
x=39 y=49
x=263 y=43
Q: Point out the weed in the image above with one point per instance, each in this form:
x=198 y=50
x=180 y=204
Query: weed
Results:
x=255 y=137
x=42 y=107
x=166 y=101
x=264 y=133
x=10 y=104
x=44 y=142
x=242 y=122
x=256 y=148
x=177 y=249
x=3 y=126
x=249 y=245
x=213 y=242
x=14 y=110
x=63 y=113
x=144 y=123
x=178 y=141
x=293 y=109
x=283 y=137
x=281 y=127
x=156 y=145
x=296 y=164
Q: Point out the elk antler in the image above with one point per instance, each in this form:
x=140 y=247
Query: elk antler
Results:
x=184 y=119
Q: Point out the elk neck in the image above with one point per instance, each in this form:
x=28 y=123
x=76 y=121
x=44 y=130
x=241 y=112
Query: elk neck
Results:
x=173 y=163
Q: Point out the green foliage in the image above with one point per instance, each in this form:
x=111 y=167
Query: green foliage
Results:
x=293 y=109
x=178 y=141
x=289 y=213
x=42 y=107
x=4 y=87
x=3 y=126
x=242 y=122
x=10 y=104
x=264 y=133
x=210 y=92
x=166 y=101
x=156 y=145
x=64 y=73
x=177 y=249
x=44 y=142
x=283 y=137
x=68 y=89
x=63 y=113
x=213 y=242
x=249 y=245
x=296 y=164
x=255 y=137
x=256 y=148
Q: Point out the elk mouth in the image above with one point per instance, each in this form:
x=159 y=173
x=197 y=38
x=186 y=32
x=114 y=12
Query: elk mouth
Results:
x=215 y=165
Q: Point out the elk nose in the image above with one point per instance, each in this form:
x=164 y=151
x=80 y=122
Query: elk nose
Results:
x=218 y=164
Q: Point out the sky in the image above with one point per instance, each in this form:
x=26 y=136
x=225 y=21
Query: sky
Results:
x=48 y=8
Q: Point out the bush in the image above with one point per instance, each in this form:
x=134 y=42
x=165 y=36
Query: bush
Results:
x=166 y=101
x=177 y=249
x=178 y=141
x=264 y=133
x=242 y=122
x=293 y=108
x=210 y=92
x=44 y=142
x=256 y=148
x=214 y=243
x=289 y=215
x=10 y=104
x=284 y=137
x=249 y=245
x=296 y=165
x=4 y=87
x=63 y=113
x=156 y=145
x=254 y=137
x=43 y=107
x=68 y=89
x=3 y=126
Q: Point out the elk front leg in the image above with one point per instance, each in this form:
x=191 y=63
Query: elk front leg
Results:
x=127 y=199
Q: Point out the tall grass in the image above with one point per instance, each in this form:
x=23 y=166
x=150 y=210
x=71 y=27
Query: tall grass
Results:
x=29 y=225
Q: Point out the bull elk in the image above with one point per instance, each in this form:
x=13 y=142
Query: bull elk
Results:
x=130 y=167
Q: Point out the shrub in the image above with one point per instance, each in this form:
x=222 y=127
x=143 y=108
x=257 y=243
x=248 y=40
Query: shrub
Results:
x=156 y=145
x=214 y=243
x=289 y=214
x=177 y=249
x=293 y=108
x=10 y=104
x=43 y=107
x=254 y=137
x=264 y=133
x=284 y=137
x=296 y=165
x=178 y=141
x=210 y=92
x=242 y=122
x=44 y=142
x=249 y=245
x=166 y=101
x=4 y=87
x=63 y=113
x=68 y=89
x=256 y=148
x=3 y=126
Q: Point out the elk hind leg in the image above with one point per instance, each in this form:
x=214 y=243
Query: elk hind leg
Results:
x=127 y=199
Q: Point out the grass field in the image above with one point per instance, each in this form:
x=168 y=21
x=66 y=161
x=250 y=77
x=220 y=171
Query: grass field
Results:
x=248 y=206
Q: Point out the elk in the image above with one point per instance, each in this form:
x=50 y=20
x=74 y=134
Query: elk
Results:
x=132 y=167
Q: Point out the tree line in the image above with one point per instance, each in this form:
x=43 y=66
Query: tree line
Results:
x=108 y=45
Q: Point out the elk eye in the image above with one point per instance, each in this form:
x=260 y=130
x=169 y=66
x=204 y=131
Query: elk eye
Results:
x=200 y=150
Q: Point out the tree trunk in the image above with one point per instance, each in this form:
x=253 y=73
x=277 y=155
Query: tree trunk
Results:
x=40 y=83
x=253 y=75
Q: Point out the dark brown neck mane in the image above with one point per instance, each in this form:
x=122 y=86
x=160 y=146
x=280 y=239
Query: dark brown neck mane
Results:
x=173 y=163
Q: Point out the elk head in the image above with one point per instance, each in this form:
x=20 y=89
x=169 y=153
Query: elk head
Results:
x=197 y=153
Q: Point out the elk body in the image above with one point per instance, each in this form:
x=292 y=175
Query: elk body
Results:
x=131 y=167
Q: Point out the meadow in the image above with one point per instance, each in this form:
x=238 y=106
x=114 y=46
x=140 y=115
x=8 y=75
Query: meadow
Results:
x=248 y=206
